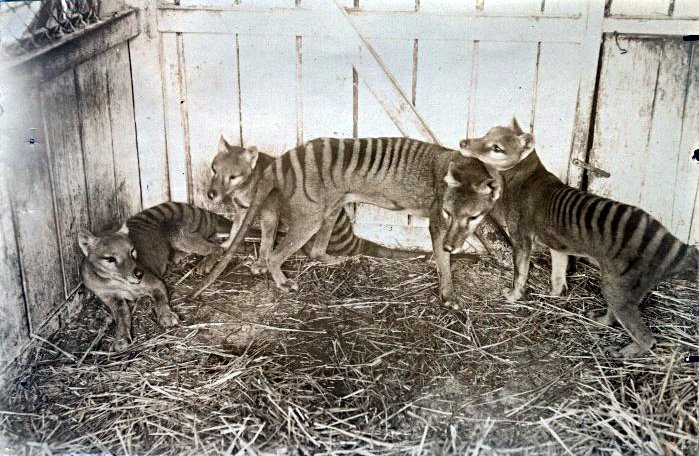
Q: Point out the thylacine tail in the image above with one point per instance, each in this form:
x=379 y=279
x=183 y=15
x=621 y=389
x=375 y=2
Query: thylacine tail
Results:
x=264 y=187
x=688 y=266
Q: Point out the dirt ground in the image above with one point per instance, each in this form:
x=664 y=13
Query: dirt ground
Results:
x=363 y=360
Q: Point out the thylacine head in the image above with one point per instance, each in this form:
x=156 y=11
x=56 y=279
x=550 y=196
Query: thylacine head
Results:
x=469 y=196
x=501 y=148
x=111 y=257
x=231 y=170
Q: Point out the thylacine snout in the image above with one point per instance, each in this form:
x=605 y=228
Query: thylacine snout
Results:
x=501 y=147
x=462 y=209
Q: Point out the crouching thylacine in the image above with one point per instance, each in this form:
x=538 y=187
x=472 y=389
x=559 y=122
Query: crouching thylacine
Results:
x=122 y=266
x=233 y=182
x=633 y=250
x=316 y=179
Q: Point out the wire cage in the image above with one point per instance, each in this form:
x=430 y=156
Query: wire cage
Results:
x=26 y=26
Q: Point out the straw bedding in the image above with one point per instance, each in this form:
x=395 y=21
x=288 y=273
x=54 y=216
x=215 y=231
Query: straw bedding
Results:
x=362 y=360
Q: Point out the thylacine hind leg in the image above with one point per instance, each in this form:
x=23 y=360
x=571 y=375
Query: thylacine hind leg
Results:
x=322 y=238
x=269 y=220
x=301 y=228
x=559 y=265
x=188 y=242
x=623 y=300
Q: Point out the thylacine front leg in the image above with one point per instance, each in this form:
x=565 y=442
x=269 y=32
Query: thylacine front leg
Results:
x=269 y=221
x=442 y=257
x=163 y=312
x=121 y=313
x=521 y=252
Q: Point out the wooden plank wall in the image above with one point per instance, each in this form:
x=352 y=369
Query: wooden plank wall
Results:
x=647 y=126
x=274 y=91
x=654 y=8
x=69 y=161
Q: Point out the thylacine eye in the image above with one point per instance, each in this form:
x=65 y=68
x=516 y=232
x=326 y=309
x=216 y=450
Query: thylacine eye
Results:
x=497 y=148
x=110 y=259
x=473 y=217
x=213 y=170
x=231 y=178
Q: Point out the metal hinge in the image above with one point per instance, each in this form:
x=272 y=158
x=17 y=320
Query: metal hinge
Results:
x=596 y=172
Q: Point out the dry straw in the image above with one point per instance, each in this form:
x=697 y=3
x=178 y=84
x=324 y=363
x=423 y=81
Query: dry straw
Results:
x=362 y=360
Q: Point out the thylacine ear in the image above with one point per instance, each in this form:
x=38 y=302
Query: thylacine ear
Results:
x=526 y=141
x=250 y=155
x=449 y=178
x=490 y=187
x=86 y=240
x=515 y=126
x=223 y=146
x=124 y=229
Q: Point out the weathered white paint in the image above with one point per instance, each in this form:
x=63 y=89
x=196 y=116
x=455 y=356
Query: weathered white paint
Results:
x=67 y=173
x=660 y=27
x=267 y=91
x=212 y=104
x=177 y=137
x=372 y=24
x=589 y=60
x=686 y=8
x=147 y=83
x=387 y=5
x=513 y=7
x=554 y=108
x=498 y=95
x=639 y=8
x=687 y=178
x=645 y=129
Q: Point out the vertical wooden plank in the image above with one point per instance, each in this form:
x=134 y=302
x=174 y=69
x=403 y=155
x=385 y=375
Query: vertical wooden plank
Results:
x=123 y=127
x=175 y=117
x=268 y=3
x=327 y=88
x=502 y=93
x=212 y=104
x=644 y=8
x=622 y=129
x=68 y=172
x=146 y=62
x=513 y=7
x=685 y=206
x=14 y=325
x=443 y=87
x=686 y=8
x=26 y=167
x=559 y=70
x=267 y=89
x=93 y=113
x=659 y=187
x=589 y=63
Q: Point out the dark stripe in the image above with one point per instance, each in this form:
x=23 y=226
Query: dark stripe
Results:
x=629 y=229
x=363 y=144
x=373 y=152
x=581 y=207
x=576 y=201
x=590 y=214
x=167 y=209
x=603 y=213
x=394 y=149
x=563 y=207
x=384 y=151
x=349 y=153
x=614 y=225
x=664 y=248
x=148 y=215
x=318 y=155
x=334 y=153
x=678 y=258
x=201 y=216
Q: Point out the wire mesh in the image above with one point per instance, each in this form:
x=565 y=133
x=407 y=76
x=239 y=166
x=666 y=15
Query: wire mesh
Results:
x=26 y=26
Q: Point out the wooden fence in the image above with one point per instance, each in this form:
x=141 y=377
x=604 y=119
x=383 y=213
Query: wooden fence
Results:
x=127 y=115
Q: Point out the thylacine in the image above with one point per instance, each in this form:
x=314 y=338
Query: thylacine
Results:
x=633 y=250
x=313 y=182
x=232 y=181
x=122 y=266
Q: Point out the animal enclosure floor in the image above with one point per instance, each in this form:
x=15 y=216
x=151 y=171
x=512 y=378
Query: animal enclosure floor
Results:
x=363 y=360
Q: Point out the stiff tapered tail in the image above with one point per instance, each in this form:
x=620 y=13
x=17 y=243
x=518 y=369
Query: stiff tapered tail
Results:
x=261 y=193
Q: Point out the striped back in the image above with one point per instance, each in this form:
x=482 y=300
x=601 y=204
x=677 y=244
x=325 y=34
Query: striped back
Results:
x=177 y=215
